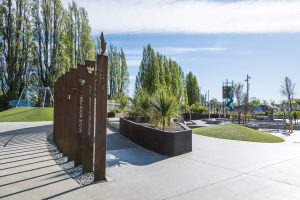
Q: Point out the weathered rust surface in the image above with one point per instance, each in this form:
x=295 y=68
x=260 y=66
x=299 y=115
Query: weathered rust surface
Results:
x=73 y=115
x=56 y=123
x=61 y=114
x=78 y=131
x=88 y=110
x=101 y=113
x=79 y=114
x=159 y=141
x=67 y=117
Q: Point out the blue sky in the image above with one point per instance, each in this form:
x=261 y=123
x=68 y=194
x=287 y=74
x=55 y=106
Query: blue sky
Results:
x=216 y=40
x=213 y=58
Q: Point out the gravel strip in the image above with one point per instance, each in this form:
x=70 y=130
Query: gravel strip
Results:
x=76 y=173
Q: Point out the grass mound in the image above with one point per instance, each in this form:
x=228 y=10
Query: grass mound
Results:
x=24 y=114
x=237 y=132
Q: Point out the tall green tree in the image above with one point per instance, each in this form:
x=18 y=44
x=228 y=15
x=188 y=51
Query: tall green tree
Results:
x=158 y=71
x=80 y=46
x=240 y=96
x=117 y=71
x=49 y=24
x=40 y=40
x=287 y=89
x=118 y=75
x=124 y=84
x=192 y=89
x=16 y=45
x=148 y=76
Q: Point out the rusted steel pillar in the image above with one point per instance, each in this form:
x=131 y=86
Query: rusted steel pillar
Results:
x=88 y=113
x=73 y=117
x=58 y=128
x=80 y=116
x=62 y=113
x=56 y=113
x=67 y=117
x=70 y=117
x=101 y=114
x=79 y=132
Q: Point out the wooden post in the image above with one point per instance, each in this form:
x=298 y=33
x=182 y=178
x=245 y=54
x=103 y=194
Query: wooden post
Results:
x=101 y=114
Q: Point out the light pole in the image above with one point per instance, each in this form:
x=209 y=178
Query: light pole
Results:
x=248 y=88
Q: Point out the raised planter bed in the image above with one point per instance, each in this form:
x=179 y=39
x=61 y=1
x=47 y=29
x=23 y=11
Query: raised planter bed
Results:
x=162 y=142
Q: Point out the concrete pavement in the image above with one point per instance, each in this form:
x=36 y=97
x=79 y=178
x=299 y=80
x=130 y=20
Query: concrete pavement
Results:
x=216 y=169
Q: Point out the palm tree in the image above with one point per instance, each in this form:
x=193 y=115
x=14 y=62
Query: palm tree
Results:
x=164 y=107
x=143 y=103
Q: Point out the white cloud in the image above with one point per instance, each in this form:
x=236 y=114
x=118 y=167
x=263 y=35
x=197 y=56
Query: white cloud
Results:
x=135 y=54
x=133 y=61
x=183 y=50
x=191 y=16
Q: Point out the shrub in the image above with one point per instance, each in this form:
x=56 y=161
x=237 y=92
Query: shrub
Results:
x=197 y=108
x=143 y=103
x=140 y=105
x=123 y=101
x=164 y=106
x=115 y=110
x=297 y=114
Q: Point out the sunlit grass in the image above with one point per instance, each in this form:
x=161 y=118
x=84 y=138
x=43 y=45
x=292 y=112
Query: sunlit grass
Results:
x=237 y=132
x=25 y=114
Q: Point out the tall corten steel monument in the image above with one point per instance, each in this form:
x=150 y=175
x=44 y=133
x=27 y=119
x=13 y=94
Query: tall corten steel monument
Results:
x=80 y=111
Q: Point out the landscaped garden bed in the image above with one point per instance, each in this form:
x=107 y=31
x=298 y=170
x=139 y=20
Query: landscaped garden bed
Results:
x=173 y=141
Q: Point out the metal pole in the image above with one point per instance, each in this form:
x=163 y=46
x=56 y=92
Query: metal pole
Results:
x=20 y=97
x=44 y=91
x=208 y=101
x=248 y=88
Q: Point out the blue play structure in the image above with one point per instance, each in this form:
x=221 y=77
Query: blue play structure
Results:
x=229 y=104
x=228 y=95
x=258 y=109
x=21 y=103
x=28 y=94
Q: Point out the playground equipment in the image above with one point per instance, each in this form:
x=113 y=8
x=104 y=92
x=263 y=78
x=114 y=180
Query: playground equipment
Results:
x=228 y=94
x=29 y=96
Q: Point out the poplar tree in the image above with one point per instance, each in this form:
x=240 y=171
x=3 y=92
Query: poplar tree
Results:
x=158 y=71
x=39 y=41
x=124 y=74
x=16 y=45
x=117 y=72
x=78 y=40
x=48 y=20
x=118 y=75
x=192 y=89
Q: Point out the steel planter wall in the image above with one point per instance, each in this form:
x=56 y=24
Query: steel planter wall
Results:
x=159 y=141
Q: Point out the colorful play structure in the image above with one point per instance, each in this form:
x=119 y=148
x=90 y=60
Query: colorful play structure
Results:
x=228 y=95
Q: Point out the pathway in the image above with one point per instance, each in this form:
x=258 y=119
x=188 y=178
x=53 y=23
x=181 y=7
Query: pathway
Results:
x=216 y=169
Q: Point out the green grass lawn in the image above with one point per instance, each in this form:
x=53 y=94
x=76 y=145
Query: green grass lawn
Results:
x=237 y=132
x=24 y=114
